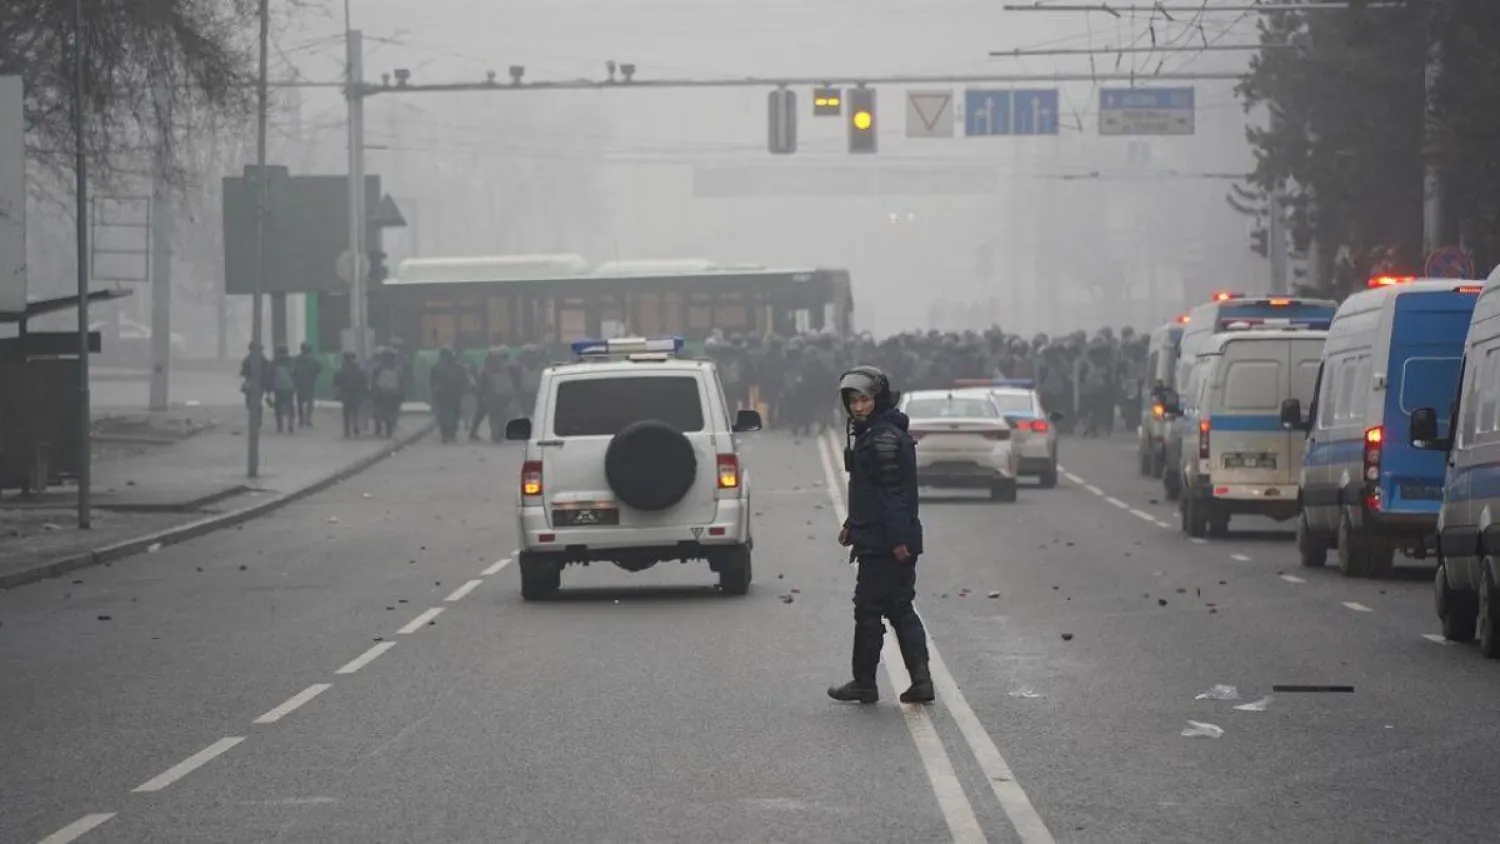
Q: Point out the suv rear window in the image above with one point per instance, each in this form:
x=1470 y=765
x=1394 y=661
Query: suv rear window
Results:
x=601 y=407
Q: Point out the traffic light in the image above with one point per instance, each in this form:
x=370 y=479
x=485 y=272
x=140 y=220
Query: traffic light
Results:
x=827 y=102
x=378 y=271
x=782 y=122
x=862 y=123
x=1259 y=242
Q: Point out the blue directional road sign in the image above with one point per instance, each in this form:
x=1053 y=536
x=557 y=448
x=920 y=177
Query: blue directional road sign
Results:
x=1035 y=112
x=1449 y=262
x=986 y=112
x=1146 y=111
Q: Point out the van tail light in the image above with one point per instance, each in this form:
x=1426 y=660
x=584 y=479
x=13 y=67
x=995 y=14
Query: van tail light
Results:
x=729 y=471
x=1374 y=441
x=531 y=477
x=1204 y=428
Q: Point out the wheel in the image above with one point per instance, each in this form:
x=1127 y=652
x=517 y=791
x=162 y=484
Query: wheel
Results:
x=1489 y=612
x=1456 y=610
x=735 y=571
x=1194 y=521
x=1003 y=491
x=1312 y=551
x=1048 y=478
x=1354 y=553
x=1381 y=557
x=650 y=465
x=1172 y=484
x=540 y=577
x=1218 y=521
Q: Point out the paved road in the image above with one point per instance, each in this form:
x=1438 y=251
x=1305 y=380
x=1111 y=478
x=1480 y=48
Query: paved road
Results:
x=299 y=672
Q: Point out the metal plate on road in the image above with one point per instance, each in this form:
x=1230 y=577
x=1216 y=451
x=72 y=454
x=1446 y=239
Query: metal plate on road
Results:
x=1146 y=111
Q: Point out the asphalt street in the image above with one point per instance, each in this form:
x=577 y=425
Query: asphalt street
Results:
x=360 y=667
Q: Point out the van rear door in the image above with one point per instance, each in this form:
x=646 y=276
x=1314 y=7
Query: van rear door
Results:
x=1250 y=446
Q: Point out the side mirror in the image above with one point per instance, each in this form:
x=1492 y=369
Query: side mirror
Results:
x=518 y=429
x=1056 y=416
x=746 y=420
x=1291 y=415
x=1424 y=429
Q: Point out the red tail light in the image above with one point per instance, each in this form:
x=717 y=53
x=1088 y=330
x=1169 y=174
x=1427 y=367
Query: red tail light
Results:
x=1279 y=303
x=729 y=471
x=1204 y=428
x=1184 y=319
x=1038 y=426
x=1224 y=296
x=531 y=477
x=1374 y=440
x=1391 y=280
x=1470 y=288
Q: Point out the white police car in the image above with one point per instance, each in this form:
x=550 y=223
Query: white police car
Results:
x=1033 y=429
x=631 y=458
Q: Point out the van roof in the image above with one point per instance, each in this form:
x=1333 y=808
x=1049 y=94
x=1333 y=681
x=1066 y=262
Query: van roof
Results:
x=1217 y=342
x=1377 y=296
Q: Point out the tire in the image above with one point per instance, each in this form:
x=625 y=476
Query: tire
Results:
x=1489 y=612
x=735 y=571
x=1194 y=521
x=1458 y=611
x=1218 y=522
x=1311 y=551
x=1172 y=485
x=1048 y=478
x=650 y=465
x=1004 y=491
x=541 y=577
x=1354 y=553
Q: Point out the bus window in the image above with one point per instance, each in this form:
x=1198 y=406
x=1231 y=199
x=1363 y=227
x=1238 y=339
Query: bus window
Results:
x=572 y=320
x=731 y=314
x=646 y=315
x=439 y=330
x=700 y=318
x=499 y=316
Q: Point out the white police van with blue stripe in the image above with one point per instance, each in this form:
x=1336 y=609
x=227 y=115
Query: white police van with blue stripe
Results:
x=1240 y=460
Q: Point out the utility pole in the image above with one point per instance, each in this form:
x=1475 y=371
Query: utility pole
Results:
x=1432 y=174
x=161 y=272
x=358 y=310
x=81 y=198
x=1276 y=223
x=257 y=355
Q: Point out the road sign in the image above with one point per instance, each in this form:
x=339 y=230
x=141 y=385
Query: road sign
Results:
x=1034 y=112
x=348 y=268
x=827 y=102
x=782 y=122
x=929 y=114
x=1449 y=262
x=986 y=112
x=1146 y=111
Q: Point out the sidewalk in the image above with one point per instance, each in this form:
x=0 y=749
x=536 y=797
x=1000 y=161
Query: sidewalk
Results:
x=167 y=477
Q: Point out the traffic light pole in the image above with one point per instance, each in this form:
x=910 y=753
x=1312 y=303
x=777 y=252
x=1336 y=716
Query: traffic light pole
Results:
x=356 y=92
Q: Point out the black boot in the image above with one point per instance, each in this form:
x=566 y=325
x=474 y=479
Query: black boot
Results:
x=921 y=690
x=854 y=692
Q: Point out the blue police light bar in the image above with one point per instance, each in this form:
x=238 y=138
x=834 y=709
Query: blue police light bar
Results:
x=628 y=346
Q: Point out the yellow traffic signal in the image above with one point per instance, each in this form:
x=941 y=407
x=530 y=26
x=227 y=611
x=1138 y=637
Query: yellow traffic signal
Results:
x=827 y=102
x=863 y=119
x=862 y=129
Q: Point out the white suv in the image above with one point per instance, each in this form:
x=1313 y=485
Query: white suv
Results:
x=632 y=458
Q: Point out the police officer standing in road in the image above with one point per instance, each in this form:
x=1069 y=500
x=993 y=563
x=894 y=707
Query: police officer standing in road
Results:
x=884 y=534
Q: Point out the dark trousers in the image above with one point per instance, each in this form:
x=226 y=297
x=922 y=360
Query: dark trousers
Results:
x=883 y=590
x=305 y=408
x=286 y=410
x=448 y=409
x=496 y=409
x=351 y=417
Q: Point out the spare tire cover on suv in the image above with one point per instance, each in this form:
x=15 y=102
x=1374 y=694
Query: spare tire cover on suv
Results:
x=650 y=465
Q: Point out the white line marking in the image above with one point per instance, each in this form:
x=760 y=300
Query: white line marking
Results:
x=188 y=765
x=1198 y=540
x=1095 y=490
x=1007 y=789
x=1162 y=524
x=366 y=658
x=77 y=829
x=495 y=569
x=1072 y=477
x=1064 y=470
x=1292 y=578
x=463 y=590
x=1142 y=514
x=1357 y=606
x=416 y=624
x=1241 y=557
x=292 y=703
x=1118 y=503
x=1436 y=637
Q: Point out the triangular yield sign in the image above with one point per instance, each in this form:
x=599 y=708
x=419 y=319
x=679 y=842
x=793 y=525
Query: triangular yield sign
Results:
x=939 y=100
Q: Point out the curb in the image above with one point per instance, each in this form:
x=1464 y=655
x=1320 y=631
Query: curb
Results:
x=193 y=530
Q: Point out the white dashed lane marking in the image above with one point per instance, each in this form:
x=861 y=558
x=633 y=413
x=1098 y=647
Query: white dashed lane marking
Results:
x=1198 y=540
x=188 y=765
x=366 y=658
x=416 y=624
x=77 y=829
x=1142 y=514
x=463 y=590
x=1436 y=637
x=495 y=569
x=1095 y=490
x=1292 y=578
x=1072 y=477
x=1241 y=557
x=1357 y=606
x=293 y=703
x=1161 y=524
x=1118 y=503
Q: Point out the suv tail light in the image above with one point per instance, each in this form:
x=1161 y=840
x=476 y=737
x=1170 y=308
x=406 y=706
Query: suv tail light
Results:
x=729 y=471
x=1374 y=441
x=1204 y=428
x=531 y=477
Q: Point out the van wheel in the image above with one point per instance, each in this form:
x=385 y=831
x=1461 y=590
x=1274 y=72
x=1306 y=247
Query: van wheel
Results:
x=1382 y=557
x=1172 y=483
x=541 y=577
x=1456 y=610
x=735 y=571
x=1218 y=522
x=1048 y=478
x=1354 y=553
x=1005 y=491
x=1489 y=612
x=1312 y=551
x=1194 y=521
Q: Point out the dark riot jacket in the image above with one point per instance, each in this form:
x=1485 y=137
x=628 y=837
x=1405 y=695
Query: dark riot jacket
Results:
x=883 y=488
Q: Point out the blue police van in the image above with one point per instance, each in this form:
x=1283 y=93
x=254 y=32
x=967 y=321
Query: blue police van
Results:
x=1364 y=489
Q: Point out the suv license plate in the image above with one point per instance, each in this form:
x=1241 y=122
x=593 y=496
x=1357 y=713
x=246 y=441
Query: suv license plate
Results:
x=587 y=517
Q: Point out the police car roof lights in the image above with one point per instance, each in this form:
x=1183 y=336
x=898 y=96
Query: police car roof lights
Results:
x=1391 y=280
x=620 y=346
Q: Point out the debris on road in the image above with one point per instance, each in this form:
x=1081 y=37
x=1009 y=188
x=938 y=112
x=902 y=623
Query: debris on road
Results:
x=1161 y=602
x=1255 y=705
x=1198 y=729
x=153 y=548
x=1067 y=637
x=1024 y=691
x=1220 y=691
x=993 y=595
x=333 y=520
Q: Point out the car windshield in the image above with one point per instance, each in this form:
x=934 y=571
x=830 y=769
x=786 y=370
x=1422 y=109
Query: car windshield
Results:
x=601 y=407
x=951 y=408
x=1014 y=403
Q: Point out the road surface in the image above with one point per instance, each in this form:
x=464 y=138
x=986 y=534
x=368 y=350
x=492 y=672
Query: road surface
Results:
x=361 y=668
